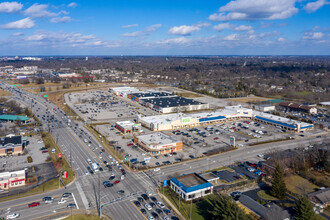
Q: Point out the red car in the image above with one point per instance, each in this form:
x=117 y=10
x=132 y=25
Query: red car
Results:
x=216 y=138
x=116 y=182
x=131 y=144
x=122 y=170
x=45 y=151
x=33 y=204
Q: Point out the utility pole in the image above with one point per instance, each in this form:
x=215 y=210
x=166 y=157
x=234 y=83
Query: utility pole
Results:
x=180 y=198
x=190 y=208
x=99 y=193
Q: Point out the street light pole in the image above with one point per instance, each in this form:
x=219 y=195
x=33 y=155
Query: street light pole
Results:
x=180 y=197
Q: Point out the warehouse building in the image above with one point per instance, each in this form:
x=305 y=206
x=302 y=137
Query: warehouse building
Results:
x=143 y=95
x=12 y=179
x=12 y=145
x=128 y=127
x=158 y=143
x=191 y=186
x=180 y=120
x=173 y=104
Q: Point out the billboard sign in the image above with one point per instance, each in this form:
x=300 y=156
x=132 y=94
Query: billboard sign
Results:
x=185 y=120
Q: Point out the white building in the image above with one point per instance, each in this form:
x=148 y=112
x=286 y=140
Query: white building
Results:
x=158 y=143
x=12 y=179
x=180 y=120
x=191 y=186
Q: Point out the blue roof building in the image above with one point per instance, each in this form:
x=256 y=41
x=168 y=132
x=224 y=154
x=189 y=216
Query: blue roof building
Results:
x=191 y=186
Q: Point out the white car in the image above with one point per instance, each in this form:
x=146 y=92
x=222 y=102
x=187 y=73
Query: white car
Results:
x=12 y=216
x=62 y=201
x=160 y=204
x=260 y=155
x=148 y=206
x=86 y=173
x=148 y=193
x=150 y=217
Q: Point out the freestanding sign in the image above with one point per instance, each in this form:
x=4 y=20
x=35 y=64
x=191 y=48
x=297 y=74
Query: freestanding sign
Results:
x=232 y=140
x=59 y=155
x=165 y=183
x=65 y=174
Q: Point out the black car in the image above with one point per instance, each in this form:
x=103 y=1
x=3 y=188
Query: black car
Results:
x=154 y=214
x=137 y=203
x=167 y=211
x=153 y=198
x=111 y=177
x=121 y=192
x=145 y=196
x=159 y=211
x=47 y=198
x=152 y=204
x=143 y=211
x=174 y=218
x=100 y=169
x=140 y=199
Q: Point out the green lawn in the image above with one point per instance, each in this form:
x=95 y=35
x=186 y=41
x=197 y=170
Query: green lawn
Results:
x=264 y=195
x=185 y=207
x=299 y=185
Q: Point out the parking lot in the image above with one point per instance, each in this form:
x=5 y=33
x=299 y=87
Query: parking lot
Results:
x=33 y=149
x=98 y=105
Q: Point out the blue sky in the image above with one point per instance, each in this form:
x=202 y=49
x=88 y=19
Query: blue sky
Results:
x=165 y=27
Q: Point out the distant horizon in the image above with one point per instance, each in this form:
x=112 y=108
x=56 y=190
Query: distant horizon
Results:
x=83 y=56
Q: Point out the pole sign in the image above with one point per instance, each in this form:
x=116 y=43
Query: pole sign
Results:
x=59 y=155
x=232 y=140
x=165 y=183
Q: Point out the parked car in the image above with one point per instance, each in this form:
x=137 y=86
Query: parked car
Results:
x=137 y=203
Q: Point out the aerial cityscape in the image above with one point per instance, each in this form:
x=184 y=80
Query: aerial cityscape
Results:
x=146 y=110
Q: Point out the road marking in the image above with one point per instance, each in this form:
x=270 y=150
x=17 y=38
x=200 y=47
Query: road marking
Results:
x=75 y=201
x=82 y=194
x=138 y=209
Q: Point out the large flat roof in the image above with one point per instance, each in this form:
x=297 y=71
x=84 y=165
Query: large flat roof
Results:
x=151 y=94
x=191 y=182
x=172 y=101
x=157 y=138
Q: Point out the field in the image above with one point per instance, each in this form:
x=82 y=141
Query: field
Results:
x=82 y=217
x=248 y=99
x=187 y=94
x=4 y=92
x=299 y=185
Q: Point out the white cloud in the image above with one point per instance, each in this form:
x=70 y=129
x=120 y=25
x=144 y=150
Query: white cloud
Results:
x=72 y=5
x=147 y=31
x=10 y=7
x=179 y=40
x=255 y=10
x=313 y=35
x=25 y=23
x=266 y=25
x=231 y=37
x=281 y=39
x=18 y=34
x=222 y=26
x=133 y=34
x=243 y=28
x=39 y=11
x=186 y=29
x=130 y=25
x=61 y=19
x=233 y=27
x=314 y=6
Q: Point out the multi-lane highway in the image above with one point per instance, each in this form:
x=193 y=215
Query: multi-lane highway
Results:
x=71 y=139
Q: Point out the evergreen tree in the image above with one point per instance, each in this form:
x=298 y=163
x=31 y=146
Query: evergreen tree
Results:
x=304 y=209
x=222 y=207
x=278 y=185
